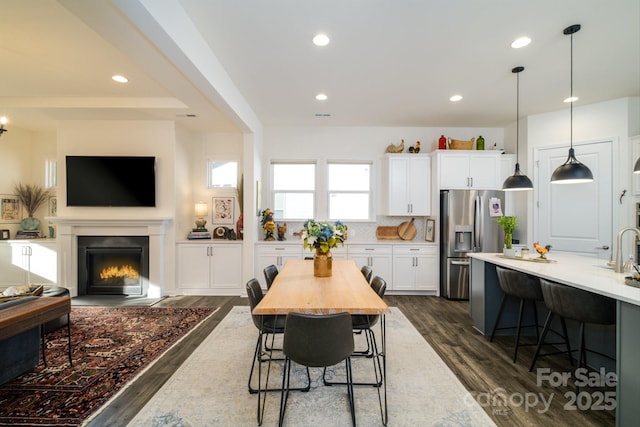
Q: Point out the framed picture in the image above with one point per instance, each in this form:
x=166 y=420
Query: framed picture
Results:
x=223 y=210
x=5 y=234
x=430 y=230
x=10 y=210
x=53 y=206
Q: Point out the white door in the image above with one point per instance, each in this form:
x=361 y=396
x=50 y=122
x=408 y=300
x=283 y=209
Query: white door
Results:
x=575 y=217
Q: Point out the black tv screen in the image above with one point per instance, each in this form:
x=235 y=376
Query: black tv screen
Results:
x=111 y=181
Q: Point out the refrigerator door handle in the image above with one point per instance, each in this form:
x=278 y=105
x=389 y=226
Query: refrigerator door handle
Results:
x=460 y=262
x=477 y=210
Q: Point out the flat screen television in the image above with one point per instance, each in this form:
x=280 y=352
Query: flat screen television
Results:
x=127 y=181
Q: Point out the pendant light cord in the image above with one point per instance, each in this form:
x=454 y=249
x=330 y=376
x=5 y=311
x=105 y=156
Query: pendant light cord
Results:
x=518 y=117
x=571 y=97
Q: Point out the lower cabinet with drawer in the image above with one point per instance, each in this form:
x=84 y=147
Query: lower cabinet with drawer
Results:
x=275 y=254
x=378 y=257
x=415 y=268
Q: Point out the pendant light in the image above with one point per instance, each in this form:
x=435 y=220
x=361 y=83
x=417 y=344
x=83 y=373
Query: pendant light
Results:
x=517 y=181
x=572 y=171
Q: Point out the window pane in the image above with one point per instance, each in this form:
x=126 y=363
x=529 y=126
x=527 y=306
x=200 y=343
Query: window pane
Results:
x=349 y=177
x=293 y=206
x=223 y=174
x=345 y=206
x=294 y=177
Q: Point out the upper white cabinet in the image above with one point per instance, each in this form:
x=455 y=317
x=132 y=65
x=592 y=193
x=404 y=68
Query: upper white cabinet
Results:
x=409 y=185
x=470 y=169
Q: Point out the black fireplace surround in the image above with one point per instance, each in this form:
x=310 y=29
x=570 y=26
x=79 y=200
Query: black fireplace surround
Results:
x=113 y=265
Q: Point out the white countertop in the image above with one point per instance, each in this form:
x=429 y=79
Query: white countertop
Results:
x=582 y=272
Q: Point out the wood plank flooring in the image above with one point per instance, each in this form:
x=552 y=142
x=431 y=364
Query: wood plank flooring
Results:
x=485 y=368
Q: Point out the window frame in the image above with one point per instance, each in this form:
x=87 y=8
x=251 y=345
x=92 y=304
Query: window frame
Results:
x=369 y=192
x=274 y=191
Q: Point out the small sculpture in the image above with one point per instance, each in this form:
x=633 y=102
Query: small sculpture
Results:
x=282 y=232
x=415 y=149
x=391 y=148
x=268 y=225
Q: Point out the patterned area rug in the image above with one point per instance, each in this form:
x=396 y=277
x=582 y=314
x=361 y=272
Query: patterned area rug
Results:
x=111 y=346
x=210 y=387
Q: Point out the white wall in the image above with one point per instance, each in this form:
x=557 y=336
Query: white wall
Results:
x=356 y=143
x=617 y=119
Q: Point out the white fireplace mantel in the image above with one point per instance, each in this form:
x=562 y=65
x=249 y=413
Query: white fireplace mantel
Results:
x=69 y=228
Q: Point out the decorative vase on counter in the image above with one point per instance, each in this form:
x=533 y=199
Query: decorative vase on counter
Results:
x=322 y=264
x=30 y=223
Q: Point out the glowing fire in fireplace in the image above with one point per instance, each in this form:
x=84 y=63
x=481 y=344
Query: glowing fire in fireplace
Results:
x=122 y=272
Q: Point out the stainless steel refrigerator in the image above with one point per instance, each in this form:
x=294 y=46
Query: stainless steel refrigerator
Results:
x=467 y=224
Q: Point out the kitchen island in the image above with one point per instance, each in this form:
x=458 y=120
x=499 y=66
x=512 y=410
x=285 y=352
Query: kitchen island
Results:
x=582 y=272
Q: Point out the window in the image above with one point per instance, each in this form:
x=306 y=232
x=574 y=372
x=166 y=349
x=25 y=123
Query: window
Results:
x=349 y=191
x=222 y=174
x=293 y=190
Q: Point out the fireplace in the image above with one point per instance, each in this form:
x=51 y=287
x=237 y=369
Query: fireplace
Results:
x=113 y=265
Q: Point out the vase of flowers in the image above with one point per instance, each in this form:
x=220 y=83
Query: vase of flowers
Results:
x=320 y=237
x=508 y=224
x=31 y=197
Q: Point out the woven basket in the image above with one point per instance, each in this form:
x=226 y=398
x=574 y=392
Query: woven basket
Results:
x=456 y=144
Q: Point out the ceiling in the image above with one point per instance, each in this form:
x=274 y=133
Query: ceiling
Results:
x=389 y=63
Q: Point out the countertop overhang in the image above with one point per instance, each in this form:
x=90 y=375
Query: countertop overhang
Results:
x=579 y=271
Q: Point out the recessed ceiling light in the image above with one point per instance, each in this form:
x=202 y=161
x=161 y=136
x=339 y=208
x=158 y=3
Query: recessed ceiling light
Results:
x=571 y=99
x=322 y=114
x=455 y=98
x=321 y=97
x=120 y=79
x=321 y=40
x=520 y=42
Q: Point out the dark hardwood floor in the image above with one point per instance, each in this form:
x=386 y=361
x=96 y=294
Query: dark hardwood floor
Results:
x=484 y=368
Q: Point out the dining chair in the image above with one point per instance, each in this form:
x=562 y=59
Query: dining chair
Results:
x=367 y=272
x=266 y=325
x=363 y=324
x=270 y=273
x=317 y=341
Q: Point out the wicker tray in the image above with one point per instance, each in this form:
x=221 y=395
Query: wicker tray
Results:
x=33 y=291
x=457 y=144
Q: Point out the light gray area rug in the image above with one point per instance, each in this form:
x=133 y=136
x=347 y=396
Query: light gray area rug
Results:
x=210 y=388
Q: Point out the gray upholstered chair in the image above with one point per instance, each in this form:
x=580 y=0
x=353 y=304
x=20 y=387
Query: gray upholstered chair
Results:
x=524 y=288
x=576 y=304
x=317 y=341
x=270 y=273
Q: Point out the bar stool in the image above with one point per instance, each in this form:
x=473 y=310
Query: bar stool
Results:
x=579 y=305
x=525 y=288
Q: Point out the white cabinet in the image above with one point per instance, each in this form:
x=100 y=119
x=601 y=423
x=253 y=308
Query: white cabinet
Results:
x=28 y=261
x=378 y=257
x=209 y=268
x=466 y=169
x=415 y=268
x=409 y=184
x=276 y=254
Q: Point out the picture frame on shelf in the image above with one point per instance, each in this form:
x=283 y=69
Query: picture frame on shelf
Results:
x=222 y=210
x=53 y=206
x=430 y=230
x=5 y=234
x=10 y=209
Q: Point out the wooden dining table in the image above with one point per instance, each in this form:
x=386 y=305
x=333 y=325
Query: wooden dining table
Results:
x=296 y=290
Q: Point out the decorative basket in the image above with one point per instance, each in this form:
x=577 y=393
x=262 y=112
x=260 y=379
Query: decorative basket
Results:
x=457 y=144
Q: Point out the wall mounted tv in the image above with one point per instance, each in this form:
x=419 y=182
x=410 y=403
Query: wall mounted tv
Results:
x=111 y=181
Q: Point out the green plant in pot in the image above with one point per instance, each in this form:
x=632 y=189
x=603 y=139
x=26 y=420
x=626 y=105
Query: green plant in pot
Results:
x=31 y=197
x=508 y=224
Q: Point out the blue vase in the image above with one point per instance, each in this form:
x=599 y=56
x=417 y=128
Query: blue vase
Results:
x=30 y=223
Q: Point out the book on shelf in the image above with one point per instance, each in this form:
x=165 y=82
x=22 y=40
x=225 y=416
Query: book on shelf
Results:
x=194 y=235
x=28 y=234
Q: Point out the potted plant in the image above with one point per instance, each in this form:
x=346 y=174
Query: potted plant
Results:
x=508 y=224
x=321 y=237
x=31 y=197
